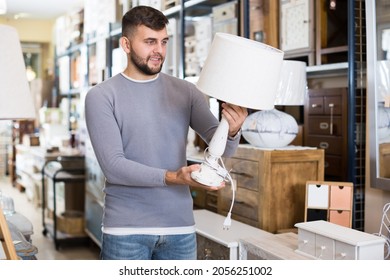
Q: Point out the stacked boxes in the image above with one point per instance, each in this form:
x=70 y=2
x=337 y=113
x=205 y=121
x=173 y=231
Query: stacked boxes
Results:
x=197 y=46
x=225 y=18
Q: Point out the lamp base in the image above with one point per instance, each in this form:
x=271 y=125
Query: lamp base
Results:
x=208 y=176
x=269 y=129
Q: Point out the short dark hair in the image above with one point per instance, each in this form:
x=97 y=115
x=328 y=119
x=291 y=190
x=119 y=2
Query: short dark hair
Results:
x=143 y=15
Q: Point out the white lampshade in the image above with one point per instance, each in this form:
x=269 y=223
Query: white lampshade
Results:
x=273 y=128
x=293 y=84
x=383 y=80
x=241 y=71
x=16 y=101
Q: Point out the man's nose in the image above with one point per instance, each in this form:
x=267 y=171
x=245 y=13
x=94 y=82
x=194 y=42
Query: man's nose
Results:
x=159 y=47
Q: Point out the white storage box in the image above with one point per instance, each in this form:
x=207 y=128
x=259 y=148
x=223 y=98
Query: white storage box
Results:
x=328 y=241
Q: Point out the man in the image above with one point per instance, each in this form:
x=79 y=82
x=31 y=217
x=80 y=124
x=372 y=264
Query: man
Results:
x=138 y=122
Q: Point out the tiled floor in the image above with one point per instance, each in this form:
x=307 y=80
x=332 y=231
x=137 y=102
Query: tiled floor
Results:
x=45 y=245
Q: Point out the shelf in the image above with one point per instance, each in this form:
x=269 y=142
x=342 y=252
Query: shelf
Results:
x=333 y=69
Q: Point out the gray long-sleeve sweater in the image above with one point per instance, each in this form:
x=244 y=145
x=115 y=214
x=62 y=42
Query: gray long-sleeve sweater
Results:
x=138 y=130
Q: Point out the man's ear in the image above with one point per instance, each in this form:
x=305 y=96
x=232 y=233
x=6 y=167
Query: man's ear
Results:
x=125 y=44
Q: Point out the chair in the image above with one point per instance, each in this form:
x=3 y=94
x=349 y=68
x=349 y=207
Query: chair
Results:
x=6 y=240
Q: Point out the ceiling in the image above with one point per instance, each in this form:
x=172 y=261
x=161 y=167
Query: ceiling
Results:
x=41 y=9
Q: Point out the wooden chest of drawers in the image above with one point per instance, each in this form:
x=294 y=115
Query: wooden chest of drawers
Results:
x=326 y=128
x=270 y=185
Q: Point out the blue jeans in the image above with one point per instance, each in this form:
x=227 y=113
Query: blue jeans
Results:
x=149 y=247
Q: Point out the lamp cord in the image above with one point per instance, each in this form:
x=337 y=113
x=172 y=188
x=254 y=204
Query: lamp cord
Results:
x=228 y=220
x=221 y=171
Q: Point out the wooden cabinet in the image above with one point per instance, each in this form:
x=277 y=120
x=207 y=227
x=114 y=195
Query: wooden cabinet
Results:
x=314 y=31
x=326 y=128
x=270 y=185
x=329 y=201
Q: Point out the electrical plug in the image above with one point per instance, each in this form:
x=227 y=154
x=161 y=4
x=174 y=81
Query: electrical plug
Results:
x=228 y=222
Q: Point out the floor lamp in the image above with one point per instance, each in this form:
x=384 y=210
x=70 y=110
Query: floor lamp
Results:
x=16 y=103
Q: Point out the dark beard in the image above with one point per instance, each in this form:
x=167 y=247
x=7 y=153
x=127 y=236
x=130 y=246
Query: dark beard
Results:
x=143 y=67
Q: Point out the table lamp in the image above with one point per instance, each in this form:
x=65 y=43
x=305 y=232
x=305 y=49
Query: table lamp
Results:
x=238 y=71
x=16 y=102
x=274 y=128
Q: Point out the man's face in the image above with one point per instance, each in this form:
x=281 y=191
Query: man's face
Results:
x=148 y=49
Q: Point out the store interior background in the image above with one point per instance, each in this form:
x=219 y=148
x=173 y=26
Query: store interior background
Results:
x=42 y=41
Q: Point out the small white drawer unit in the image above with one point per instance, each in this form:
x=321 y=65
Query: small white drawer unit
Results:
x=328 y=241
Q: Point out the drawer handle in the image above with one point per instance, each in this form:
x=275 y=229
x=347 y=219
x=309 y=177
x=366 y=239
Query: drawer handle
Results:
x=241 y=174
x=324 y=145
x=324 y=125
x=331 y=106
x=315 y=105
x=323 y=248
x=238 y=202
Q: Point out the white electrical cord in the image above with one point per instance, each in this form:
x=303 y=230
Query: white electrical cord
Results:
x=228 y=220
x=220 y=169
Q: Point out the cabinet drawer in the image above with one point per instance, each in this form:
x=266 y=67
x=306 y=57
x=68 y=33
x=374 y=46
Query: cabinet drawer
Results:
x=325 y=126
x=316 y=105
x=317 y=196
x=332 y=105
x=331 y=145
x=245 y=204
x=344 y=251
x=245 y=172
x=333 y=166
x=306 y=242
x=224 y=12
x=340 y=217
x=340 y=197
x=316 y=214
x=328 y=105
x=324 y=247
x=211 y=201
